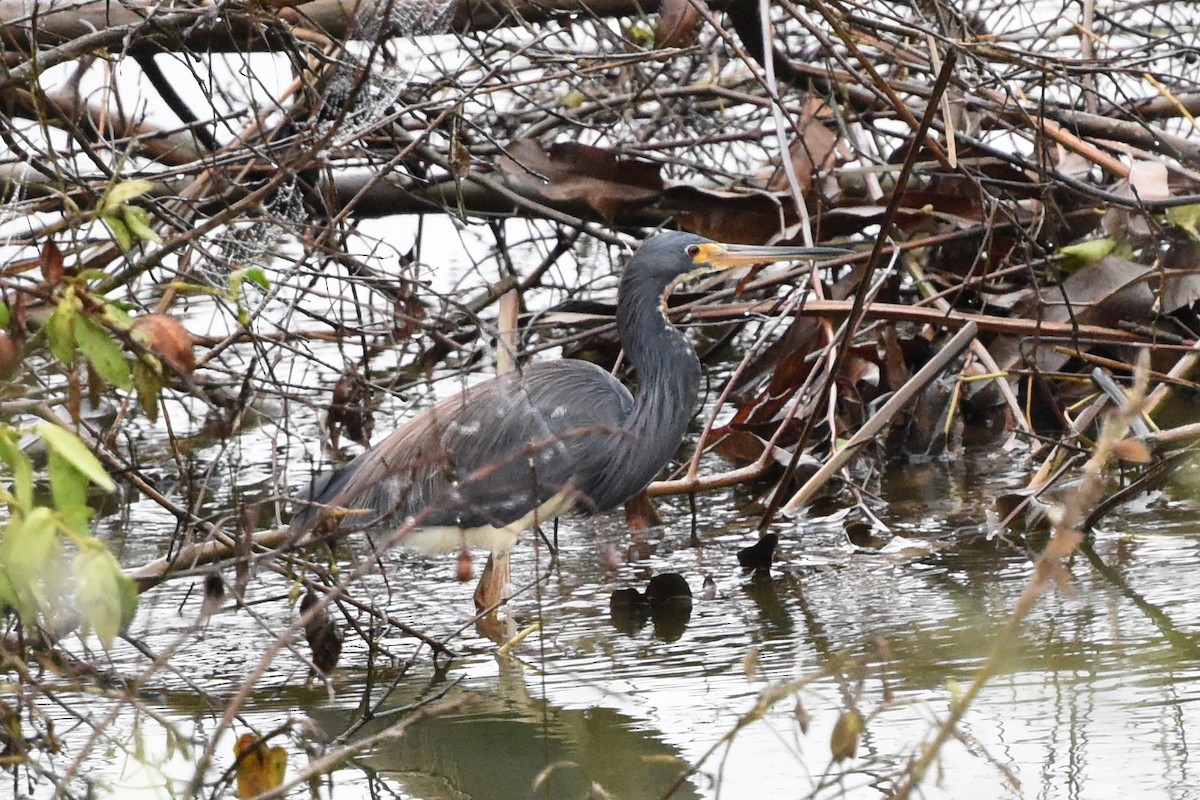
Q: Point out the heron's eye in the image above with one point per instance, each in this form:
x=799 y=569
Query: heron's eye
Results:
x=693 y=250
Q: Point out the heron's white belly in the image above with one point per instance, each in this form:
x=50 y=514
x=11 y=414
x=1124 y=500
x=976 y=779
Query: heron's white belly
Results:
x=445 y=538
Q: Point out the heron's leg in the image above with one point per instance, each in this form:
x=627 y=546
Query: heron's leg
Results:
x=495 y=583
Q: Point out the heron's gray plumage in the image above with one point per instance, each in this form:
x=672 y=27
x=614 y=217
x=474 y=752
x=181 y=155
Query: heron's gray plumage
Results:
x=487 y=456
x=503 y=448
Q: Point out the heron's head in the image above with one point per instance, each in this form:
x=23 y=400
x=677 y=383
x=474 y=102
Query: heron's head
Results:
x=673 y=256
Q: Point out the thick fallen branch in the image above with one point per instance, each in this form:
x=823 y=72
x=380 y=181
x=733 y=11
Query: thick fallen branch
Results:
x=242 y=29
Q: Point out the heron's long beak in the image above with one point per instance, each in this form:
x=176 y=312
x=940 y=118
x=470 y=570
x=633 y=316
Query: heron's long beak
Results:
x=714 y=255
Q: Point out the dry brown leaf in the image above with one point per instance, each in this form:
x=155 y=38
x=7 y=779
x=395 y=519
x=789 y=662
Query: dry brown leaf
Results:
x=802 y=717
x=351 y=411
x=1109 y=292
x=464 y=565
x=678 y=23
x=1133 y=451
x=166 y=337
x=607 y=182
x=740 y=217
x=1178 y=281
x=51 y=263
x=640 y=513
x=1148 y=180
x=322 y=635
x=8 y=355
x=813 y=152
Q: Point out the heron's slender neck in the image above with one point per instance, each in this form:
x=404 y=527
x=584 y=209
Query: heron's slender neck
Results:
x=668 y=376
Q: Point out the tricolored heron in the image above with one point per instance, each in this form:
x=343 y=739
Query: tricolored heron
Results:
x=557 y=436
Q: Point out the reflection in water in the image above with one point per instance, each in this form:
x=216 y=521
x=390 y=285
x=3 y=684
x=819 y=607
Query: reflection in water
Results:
x=503 y=743
x=667 y=601
x=764 y=591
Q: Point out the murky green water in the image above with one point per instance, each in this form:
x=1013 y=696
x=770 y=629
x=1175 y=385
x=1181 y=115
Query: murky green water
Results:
x=1098 y=701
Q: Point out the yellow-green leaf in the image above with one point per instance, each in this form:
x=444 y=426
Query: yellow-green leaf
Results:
x=68 y=487
x=102 y=592
x=640 y=34
x=572 y=99
x=255 y=275
x=20 y=465
x=147 y=379
x=259 y=768
x=29 y=547
x=138 y=221
x=8 y=596
x=60 y=328
x=121 y=193
x=843 y=742
x=1087 y=252
x=119 y=231
x=75 y=451
x=1185 y=218
x=102 y=352
x=117 y=317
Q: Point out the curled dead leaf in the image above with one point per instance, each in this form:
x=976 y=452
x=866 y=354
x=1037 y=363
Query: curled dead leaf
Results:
x=1133 y=451
x=751 y=663
x=9 y=357
x=678 y=23
x=259 y=768
x=351 y=410
x=802 y=717
x=323 y=636
x=843 y=742
x=166 y=337
x=609 y=183
x=464 y=566
x=811 y=154
x=51 y=263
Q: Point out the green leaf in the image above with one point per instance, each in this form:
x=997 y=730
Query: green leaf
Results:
x=1087 y=252
x=572 y=99
x=30 y=546
x=75 y=451
x=117 y=317
x=255 y=275
x=258 y=277
x=91 y=275
x=121 y=193
x=5 y=314
x=1185 y=218
x=69 y=487
x=138 y=221
x=843 y=742
x=640 y=34
x=149 y=384
x=20 y=465
x=102 y=351
x=8 y=596
x=121 y=233
x=104 y=596
x=60 y=328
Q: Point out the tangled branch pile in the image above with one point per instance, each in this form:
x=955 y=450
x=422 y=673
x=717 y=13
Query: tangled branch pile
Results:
x=228 y=230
